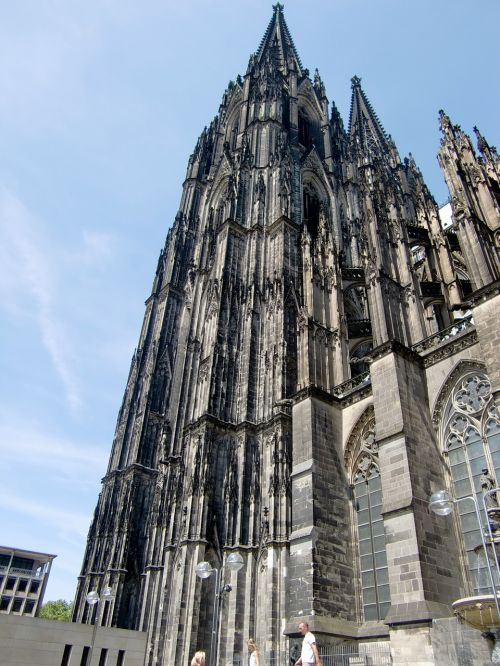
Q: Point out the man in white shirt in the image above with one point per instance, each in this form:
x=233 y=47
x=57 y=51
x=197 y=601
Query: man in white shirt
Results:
x=309 y=655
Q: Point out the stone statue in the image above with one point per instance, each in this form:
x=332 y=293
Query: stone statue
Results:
x=487 y=484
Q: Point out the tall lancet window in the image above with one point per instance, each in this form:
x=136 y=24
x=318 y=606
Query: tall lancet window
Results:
x=371 y=537
x=471 y=429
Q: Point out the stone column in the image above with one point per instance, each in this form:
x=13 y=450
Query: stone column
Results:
x=486 y=313
x=422 y=553
x=321 y=577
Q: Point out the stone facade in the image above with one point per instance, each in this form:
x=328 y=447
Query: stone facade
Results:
x=310 y=330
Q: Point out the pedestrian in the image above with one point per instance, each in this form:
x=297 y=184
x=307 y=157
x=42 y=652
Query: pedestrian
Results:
x=309 y=655
x=198 y=659
x=254 y=653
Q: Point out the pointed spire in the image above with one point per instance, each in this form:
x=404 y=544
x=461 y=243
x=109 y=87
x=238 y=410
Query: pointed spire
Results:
x=487 y=151
x=364 y=124
x=278 y=42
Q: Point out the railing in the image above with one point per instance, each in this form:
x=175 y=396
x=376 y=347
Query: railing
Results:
x=351 y=384
x=444 y=335
x=452 y=239
x=466 y=287
x=359 y=328
x=344 y=654
x=417 y=233
x=432 y=289
x=353 y=274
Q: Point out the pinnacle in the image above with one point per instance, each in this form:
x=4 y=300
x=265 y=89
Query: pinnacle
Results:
x=364 y=122
x=277 y=39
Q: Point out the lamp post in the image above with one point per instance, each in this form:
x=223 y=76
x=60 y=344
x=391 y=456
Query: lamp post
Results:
x=442 y=504
x=203 y=570
x=92 y=599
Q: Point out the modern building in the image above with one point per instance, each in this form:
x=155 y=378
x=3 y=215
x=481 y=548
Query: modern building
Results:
x=23 y=579
x=318 y=356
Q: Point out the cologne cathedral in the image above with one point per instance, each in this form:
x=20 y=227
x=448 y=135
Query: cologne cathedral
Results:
x=319 y=354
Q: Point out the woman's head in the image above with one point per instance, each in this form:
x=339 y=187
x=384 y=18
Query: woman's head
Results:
x=198 y=659
x=252 y=645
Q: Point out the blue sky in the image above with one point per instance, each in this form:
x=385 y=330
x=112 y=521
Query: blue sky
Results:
x=101 y=104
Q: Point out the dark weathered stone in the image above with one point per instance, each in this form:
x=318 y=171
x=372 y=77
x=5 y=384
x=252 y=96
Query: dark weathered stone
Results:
x=287 y=320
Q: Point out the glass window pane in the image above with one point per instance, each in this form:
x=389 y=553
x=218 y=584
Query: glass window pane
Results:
x=371 y=613
x=382 y=576
x=364 y=532
x=469 y=522
x=383 y=593
x=360 y=489
x=496 y=461
x=369 y=596
x=456 y=456
x=367 y=578
x=362 y=503
x=384 y=609
x=366 y=562
x=380 y=559
x=379 y=544
x=472 y=539
x=459 y=471
x=463 y=488
x=378 y=528
x=475 y=450
x=365 y=547
x=376 y=498
x=477 y=465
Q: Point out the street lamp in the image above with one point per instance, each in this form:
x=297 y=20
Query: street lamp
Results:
x=204 y=570
x=442 y=504
x=92 y=599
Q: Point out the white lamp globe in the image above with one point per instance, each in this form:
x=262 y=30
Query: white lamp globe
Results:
x=107 y=593
x=441 y=503
x=234 y=561
x=92 y=598
x=203 y=569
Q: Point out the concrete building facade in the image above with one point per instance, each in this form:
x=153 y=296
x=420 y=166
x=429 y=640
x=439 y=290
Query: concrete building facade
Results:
x=26 y=641
x=318 y=356
x=23 y=579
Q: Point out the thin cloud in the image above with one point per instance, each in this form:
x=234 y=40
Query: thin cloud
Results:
x=40 y=450
x=30 y=266
x=68 y=522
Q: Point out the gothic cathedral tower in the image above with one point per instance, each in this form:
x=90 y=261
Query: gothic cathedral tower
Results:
x=280 y=387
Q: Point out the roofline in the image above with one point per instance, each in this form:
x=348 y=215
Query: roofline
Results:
x=23 y=551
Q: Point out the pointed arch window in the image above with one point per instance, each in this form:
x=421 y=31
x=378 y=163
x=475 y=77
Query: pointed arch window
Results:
x=370 y=526
x=471 y=429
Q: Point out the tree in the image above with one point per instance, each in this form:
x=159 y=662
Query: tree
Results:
x=57 y=610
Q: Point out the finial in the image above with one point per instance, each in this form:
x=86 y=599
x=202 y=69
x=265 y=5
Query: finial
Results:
x=482 y=144
x=278 y=8
x=356 y=81
x=444 y=121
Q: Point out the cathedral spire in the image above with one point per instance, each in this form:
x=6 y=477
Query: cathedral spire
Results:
x=278 y=42
x=364 y=125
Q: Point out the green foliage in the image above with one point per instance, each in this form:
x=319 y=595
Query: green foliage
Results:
x=57 y=610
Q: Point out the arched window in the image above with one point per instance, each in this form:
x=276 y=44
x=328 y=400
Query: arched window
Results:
x=370 y=524
x=471 y=430
x=305 y=134
x=310 y=209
